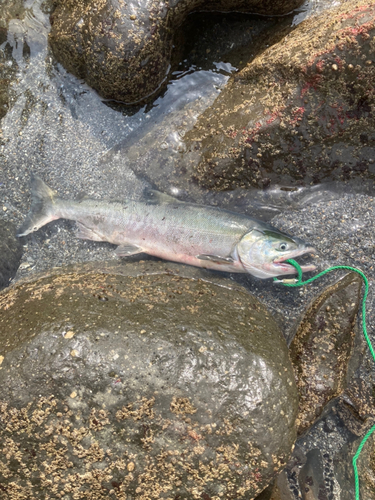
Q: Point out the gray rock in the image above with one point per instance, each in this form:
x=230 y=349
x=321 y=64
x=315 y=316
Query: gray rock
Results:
x=305 y=476
x=123 y=49
x=10 y=253
x=285 y=486
x=344 y=473
x=326 y=329
x=8 y=69
x=9 y=9
x=134 y=381
x=277 y=490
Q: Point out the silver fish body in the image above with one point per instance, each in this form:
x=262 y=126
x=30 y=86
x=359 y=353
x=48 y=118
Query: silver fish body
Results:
x=162 y=226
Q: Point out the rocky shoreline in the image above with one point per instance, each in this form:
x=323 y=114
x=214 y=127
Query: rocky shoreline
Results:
x=57 y=127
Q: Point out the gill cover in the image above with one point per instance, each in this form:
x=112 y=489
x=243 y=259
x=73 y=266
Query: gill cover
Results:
x=259 y=248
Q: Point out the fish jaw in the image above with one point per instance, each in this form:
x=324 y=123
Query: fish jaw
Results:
x=285 y=268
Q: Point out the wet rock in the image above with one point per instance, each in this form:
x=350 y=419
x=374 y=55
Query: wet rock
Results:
x=11 y=9
x=10 y=253
x=206 y=39
x=3 y=97
x=133 y=381
x=4 y=82
x=123 y=50
x=278 y=490
x=311 y=477
x=354 y=415
x=322 y=346
x=355 y=407
x=285 y=486
x=365 y=465
x=324 y=467
x=8 y=67
x=300 y=113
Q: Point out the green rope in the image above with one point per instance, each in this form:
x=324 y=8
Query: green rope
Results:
x=299 y=282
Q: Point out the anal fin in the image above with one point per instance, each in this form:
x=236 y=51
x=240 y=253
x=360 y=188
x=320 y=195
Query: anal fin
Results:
x=85 y=233
x=216 y=259
x=127 y=250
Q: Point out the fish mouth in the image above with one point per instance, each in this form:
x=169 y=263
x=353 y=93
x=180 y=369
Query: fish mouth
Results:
x=286 y=268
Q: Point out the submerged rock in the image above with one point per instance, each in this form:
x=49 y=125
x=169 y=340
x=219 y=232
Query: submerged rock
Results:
x=10 y=252
x=311 y=477
x=123 y=49
x=279 y=489
x=322 y=347
x=302 y=112
x=354 y=415
x=365 y=465
x=136 y=382
x=8 y=66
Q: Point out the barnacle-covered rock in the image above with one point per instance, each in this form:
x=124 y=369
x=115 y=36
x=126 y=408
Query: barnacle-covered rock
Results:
x=138 y=381
x=123 y=49
x=300 y=113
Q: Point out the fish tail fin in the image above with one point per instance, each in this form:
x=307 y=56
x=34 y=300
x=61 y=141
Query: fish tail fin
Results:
x=42 y=210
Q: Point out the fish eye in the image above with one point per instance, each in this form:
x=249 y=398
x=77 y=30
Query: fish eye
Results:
x=283 y=246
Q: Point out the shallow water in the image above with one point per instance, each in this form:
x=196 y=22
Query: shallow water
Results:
x=61 y=129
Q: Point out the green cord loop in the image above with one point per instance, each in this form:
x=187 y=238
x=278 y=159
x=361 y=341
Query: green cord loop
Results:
x=299 y=282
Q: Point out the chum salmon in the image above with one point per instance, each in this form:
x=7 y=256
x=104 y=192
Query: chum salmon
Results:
x=162 y=226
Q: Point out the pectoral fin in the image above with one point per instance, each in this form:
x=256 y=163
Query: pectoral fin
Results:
x=126 y=250
x=216 y=258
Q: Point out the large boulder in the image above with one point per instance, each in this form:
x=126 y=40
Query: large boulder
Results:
x=302 y=112
x=123 y=49
x=136 y=382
